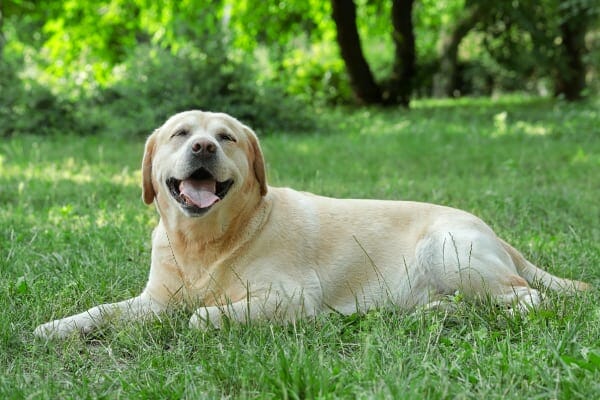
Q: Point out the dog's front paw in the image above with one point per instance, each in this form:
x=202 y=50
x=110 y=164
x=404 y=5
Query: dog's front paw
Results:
x=61 y=328
x=56 y=329
x=204 y=319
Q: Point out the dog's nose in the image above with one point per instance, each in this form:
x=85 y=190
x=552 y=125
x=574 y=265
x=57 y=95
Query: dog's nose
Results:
x=204 y=147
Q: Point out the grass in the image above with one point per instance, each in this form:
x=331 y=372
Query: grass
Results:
x=74 y=233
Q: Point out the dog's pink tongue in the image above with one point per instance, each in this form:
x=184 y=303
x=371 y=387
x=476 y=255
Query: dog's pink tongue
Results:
x=201 y=193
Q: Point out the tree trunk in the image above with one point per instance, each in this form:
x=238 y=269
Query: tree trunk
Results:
x=362 y=81
x=444 y=81
x=399 y=88
x=570 y=77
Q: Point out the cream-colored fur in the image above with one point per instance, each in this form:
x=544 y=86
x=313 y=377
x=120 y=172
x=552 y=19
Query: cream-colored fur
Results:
x=266 y=253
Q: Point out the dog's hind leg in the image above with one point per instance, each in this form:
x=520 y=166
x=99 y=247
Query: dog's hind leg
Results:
x=475 y=263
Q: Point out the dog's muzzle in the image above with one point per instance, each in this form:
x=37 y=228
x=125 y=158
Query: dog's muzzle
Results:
x=200 y=191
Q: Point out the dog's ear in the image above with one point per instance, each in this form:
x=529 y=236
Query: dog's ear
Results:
x=259 y=162
x=148 y=192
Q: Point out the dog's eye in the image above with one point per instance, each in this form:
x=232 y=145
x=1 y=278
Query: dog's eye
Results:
x=180 y=132
x=224 y=136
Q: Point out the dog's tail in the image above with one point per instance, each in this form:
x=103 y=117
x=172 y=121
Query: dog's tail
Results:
x=535 y=275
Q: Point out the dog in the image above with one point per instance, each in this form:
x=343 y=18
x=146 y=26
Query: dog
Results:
x=228 y=246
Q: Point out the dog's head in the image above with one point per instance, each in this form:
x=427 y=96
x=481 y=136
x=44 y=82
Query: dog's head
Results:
x=199 y=161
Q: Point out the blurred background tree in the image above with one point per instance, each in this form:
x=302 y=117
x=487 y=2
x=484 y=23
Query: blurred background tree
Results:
x=124 y=65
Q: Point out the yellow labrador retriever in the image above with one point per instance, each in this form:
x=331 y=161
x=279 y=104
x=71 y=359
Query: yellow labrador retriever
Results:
x=232 y=247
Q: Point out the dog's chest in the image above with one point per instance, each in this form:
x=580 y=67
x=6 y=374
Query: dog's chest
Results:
x=212 y=280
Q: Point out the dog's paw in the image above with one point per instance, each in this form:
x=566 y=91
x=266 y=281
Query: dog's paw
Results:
x=56 y=329
x=61 y=328
x=204 y=319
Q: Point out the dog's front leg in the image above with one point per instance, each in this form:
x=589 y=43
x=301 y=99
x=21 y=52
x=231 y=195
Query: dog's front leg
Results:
x=134 y=309
x=253 y=309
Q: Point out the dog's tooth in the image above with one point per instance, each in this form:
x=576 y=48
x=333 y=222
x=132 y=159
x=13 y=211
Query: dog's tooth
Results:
x=185 y=199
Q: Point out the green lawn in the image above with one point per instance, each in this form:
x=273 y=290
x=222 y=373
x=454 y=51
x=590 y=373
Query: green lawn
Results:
x=74 y=233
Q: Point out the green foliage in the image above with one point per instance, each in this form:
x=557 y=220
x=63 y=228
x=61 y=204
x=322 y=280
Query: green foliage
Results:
x=12 y=94
x=146 y=63
x=81 y=64
x=431 y=17
x=74 y=41
x=156 y=84
x=525 y=40
x=315 y=75
x=26 y=106
x=295 y=43
x=279 y=24
x=75 y=234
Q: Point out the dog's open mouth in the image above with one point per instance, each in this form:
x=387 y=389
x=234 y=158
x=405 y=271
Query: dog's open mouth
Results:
x=199 y=192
